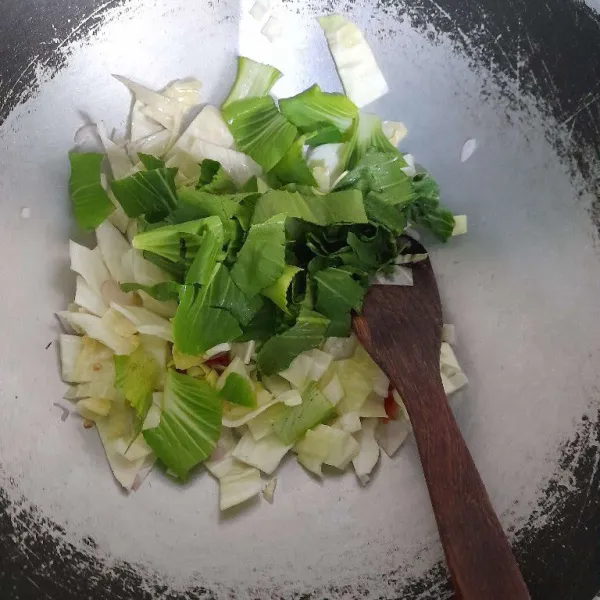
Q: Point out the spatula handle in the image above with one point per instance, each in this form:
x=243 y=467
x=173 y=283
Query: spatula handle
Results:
x=478 y=555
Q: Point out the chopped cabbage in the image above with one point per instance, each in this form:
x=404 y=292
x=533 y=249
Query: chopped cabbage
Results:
x=395 y=131
x=363 y=81
x=268 y=491
x=94 y=408
x=260 y=9
x=392 y=434
x=265 y=454
x=70 y=349
x=448 y=333
x=238 y=166
x=333 y=391
x=272 y=29
x=373 y=406
x=238 y=486
x=209 y=126
x=328 y=445
x=460 y=225
x=261 y=425
x=97 y=329
x=340 y=348
x=399 y=276
x=113 y=247
x=88 y=263
x=86 y=298
x=350 y=422
x=366 y=459
x=118 y=323
x=290 y=398
x=146 y=321
x=244 y=351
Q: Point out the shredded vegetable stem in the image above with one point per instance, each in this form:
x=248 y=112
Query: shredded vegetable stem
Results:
x=212 y=323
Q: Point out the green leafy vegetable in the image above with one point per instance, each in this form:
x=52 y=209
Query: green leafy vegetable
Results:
x=279 y=351
x=90 y=202
x=426 y=210
x=278 y=291
x=214 y=179
x=337 y=294
x=190 y=424
x=176 y=270
x=136 y=375
x=370 y=137
x=149 y=193
x=263 y=325
x=253 y=79
x=297 y=420
x=198 y=204
x=168 y=290
x=372 y=251
x=338 y=207
x=262 y=258
x=292 y=168
x=151 y=162
x=199 y=326
x=239 y=390
x=177 y=243
x=225 y=294
x=381 y=172
x=383 y=213
x=209 y=253
x=260 y=130
x=327 y=134
x=313 y=108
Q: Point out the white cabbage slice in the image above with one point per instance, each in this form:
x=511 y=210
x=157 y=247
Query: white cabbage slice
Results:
x=290 y=398
x=70 y=348
x=88 y=299
x=366 y=459
x=164 y=309
x=94 y=363
x=350 y=422
x=372 y=407
x=144 y=272
x=264 y=454
x=89 y=264
x=146 y=321
x=113 y=247
x=120 y=163
x=238 y=486
x=239 y=167
x=158 y=107
x=341 y=348
x=97 y=329
x=94 y=408
x=394 y=131
x=334 y=390
x=326 y=445
x=268 y=491
x=127 y=472
x=356 y=65
x=209 y=126
x=392 y=434
x=244 y=351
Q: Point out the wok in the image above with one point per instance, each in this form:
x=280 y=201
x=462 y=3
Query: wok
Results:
x=522 y=288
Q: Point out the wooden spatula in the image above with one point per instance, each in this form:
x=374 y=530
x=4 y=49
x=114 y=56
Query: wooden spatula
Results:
x=401 y=328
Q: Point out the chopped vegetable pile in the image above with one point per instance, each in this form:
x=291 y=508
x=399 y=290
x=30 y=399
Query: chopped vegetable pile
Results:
x=212 y=322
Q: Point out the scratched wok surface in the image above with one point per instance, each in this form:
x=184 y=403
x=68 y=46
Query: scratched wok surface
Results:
x=522 y=288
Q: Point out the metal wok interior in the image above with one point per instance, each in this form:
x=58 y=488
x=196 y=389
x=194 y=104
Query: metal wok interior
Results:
x=522 y=288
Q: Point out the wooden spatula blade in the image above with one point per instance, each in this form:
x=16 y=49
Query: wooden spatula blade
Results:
x=401 y=329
